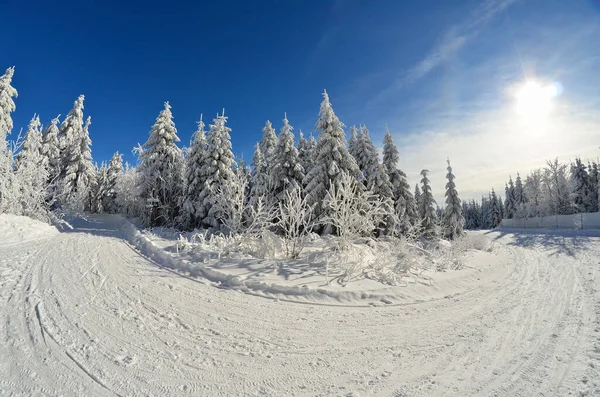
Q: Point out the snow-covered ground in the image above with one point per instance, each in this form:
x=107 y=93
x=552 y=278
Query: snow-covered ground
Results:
x=84 y=313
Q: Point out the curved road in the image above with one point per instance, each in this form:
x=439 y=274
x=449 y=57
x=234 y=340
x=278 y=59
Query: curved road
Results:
x=83 y=314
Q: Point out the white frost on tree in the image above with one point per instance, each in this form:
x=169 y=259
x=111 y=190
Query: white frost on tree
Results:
x=454 y=219
x=79 y=174
x=51 y=150
x=404 y=201
x=113 y=173
x=268 y=143
x=259 y=180
x=31 y=174
x=7 y=106
x=427 y=207
x=192 y=209
x=287 y=171
x=161 y=167
x=305 y=152
x=217 y=170
x=331 y=160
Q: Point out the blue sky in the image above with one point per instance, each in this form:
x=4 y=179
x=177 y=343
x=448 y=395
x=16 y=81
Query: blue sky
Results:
x=441 y=74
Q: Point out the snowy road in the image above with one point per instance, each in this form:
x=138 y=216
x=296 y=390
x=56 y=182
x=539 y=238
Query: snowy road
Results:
x=83 y=314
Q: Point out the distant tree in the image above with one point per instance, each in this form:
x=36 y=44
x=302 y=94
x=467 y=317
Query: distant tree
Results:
x=259 y=180
x=51 y=150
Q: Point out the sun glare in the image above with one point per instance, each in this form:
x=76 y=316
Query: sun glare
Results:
x=534 y=100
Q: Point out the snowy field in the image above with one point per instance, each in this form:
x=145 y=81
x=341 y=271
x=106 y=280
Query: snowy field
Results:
x=103 y=309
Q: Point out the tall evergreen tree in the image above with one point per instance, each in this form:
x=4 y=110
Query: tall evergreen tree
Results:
x=454 y=219
x=404 y=201
x=287 y=170
x=418 y=196
x=31 y=173
x=113 y=173
x=509 y=199
x=353 y=143
x=594 y=178
x=7 y=106
x=582 y=191
x=268 y=143
x=217 y=170
x=51 y=149
x=161 y=168
x=79 y=173
x=427 y=207
x=331 y=160
x=259 y=180
x=191 y=211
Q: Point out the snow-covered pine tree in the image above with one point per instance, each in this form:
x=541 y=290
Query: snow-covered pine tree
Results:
x=259 y=181
x=161 y=168
x=418 y=196
x=268 y=143
x=99 y=189
x=7 y=106
x=375 y=177
x=127 y=193
x=304 y=152
x=331 y=159
x=79 y=173
x=113 y=173
x=404 y=201
x=427 y=207
x=582 y=190
x=191 y=217
x=519 y=196
x=286 y=169
x=51 y=149
x=365 y=154
x=353 y=143
x=495 y=209
x=594 y=185
x=509 y=199
x=454 y=219
x=217 y=170
x=558 y=192
x=31 y=174
x=69 y=132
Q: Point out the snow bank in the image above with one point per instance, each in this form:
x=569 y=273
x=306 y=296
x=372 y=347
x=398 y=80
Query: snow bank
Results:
x=296 y=280
x=15 y=229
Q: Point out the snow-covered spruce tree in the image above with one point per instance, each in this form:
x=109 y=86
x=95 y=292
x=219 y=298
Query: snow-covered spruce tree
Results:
x=375 y=177
x=454 y=219
x=268 y=143
x=79 y=173
x=519 y=198
x=7 y=106
x=216 y=172
x=418 y=197
x=509 y=199
x=113 y=173
x=303 y=151
x=353 y=144
x=259 y=181
x=161 y=169
x=127 y=193
x=558 y=192
x=496 y=210
x=31 y=174
x=427 y=207
x=594 y=178
x=51 y=150
x=287 y=171
x=404 y=201
x=191 y=217
x=69 y=132
x=580 y=183
x=99 y=189
x=331 y=159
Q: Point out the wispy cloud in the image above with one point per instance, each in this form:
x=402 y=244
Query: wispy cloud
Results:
x=457 y=36
x=451 y=41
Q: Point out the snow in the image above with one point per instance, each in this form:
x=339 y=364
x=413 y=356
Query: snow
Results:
x=86 y=312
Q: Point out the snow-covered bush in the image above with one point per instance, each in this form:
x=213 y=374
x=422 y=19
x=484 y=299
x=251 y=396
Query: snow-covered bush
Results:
x=294 y=221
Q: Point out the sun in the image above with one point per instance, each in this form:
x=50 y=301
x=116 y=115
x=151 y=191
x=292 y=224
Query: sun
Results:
x=535 y=101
